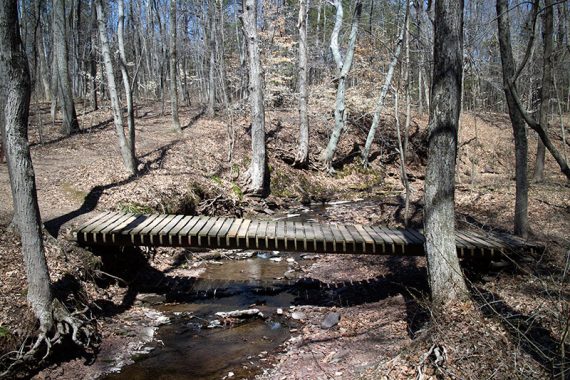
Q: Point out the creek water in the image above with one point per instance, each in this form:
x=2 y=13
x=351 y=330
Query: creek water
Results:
x=188 y=349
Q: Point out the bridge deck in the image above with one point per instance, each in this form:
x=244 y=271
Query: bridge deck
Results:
x=123 y=229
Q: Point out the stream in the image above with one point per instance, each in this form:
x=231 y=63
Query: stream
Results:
x=190 y=347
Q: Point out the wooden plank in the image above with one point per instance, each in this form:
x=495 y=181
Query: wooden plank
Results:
x=101 y=234
x=115 y=233
x=389 y=243
x=231 y=240
x=164 y=234
x=213 y=233
x=399 y=243
x=381 y=245
x=102 y=221
x=241 y=235
x=223 y=232
x=370 y=246
x=96 y=234
x=320 y=239
x=340 y=246
x=417 y=234
x=192 y=235
x=183 y=238
x=484 y=247
x=250 y=234
x=348 y=240
x=143 y=235
x=290 y=242
x=134 y=232
x=97 y=217
x=359 y=241
x=153 y=235
x=270 y=234
x=310 y=244
x=280 y=235
x=203 y=233
x=172 y=237
x=260 y=235
x=300 y=237
x=464 y=248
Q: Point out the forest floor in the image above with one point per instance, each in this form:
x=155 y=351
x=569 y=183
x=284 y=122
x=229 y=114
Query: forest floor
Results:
x=516 y=325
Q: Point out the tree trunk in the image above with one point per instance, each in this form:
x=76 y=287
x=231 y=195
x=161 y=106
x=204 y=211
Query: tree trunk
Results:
x=70 y=124
x=126 y=80
x=258 y=181
x=546 y=88
x=302 y=157
x=212 y=48
x=173 y=69
x=384 y=92
x=129 y=159
x=445 y=277
x=517 y=121
x=93 y=58
x=343 y=68
x=16 y=94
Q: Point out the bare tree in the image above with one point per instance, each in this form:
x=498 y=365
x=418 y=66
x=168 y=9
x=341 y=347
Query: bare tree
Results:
x=343 y=68
x=52 y=315
x=257 y=177
x=212 y=65
x=126 y=80
x=547 y=84
x=445 y=277
x=70 y=124
x=302 y=157
x=384 y=90
x=511 y=74
x=128 y=155
x=173 y=68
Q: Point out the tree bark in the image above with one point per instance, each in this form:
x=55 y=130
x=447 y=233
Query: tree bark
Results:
x=212 y=48
x=445 y=277
x=70 y=124
x=546 y=89
x=173 y=69
x=343 y=68
x=129 y=160
x=384 y=92
x=302 y=157
x=126 y=80
x=93 y=58
x=258 y=174
x=16 y=93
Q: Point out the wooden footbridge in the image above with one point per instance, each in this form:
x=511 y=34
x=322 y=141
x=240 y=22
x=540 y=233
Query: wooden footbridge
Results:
x=124 y=229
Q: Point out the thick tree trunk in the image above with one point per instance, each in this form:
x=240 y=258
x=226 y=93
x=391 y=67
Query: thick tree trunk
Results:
x=258 y=181
x=445 y=277
x=126 y=80
x=384 y=92
x=173 y=69
x=16 y=93
x=129 y=159
x=302 y=157
x=546 y=89
x=343 y=68
x=70 y=124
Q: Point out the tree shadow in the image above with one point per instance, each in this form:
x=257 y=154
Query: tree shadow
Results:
x=91 y=200
x=525 y=331
x=97 y=127
x=195 y=118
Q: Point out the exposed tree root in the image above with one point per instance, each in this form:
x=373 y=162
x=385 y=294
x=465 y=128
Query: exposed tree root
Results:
x=78 y=325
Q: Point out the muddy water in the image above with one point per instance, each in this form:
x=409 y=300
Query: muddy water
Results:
x=190 y=350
